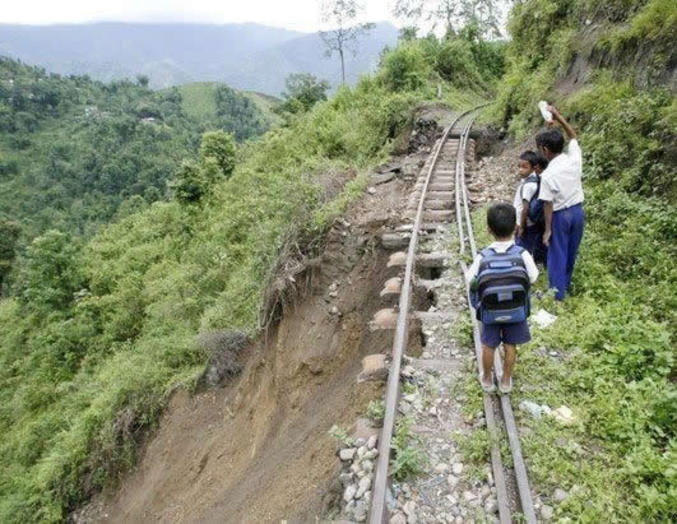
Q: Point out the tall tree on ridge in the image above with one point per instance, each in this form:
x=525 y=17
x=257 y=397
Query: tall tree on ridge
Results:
x=456 y=14
x=341 y=16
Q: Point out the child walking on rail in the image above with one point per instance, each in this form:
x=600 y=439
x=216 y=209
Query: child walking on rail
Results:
x=500 y=278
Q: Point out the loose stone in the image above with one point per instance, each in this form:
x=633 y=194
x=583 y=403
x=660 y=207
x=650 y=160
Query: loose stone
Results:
x=547 y=512
x=457 y=468
x=349 y=493
x=559 y=495
x=362 y=487
x=347 y=454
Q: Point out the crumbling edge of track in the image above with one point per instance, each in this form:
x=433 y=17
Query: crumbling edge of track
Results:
x=378 y=510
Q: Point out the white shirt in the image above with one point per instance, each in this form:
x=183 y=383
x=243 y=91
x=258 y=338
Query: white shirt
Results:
x=561 y=181
x=502 y=247
x=525 y=190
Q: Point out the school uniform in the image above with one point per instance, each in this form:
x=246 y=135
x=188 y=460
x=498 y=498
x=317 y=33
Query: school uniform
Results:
x=561 y=184
x=513 y=333
x=526 y=189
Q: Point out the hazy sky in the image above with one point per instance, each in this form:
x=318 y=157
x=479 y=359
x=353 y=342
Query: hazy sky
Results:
x=302 y=15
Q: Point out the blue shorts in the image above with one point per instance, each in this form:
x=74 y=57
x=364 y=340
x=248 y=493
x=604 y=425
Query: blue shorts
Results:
x=494 y=334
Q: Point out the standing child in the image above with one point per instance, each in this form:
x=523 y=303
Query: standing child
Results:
x=562 y=194
x=500 y=278
x=527 y=231
x=540 y=252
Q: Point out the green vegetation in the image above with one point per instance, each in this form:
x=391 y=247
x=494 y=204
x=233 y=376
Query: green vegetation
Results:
x=409 y=459
x=99 y=332
x=615 y=336
x=76 y=154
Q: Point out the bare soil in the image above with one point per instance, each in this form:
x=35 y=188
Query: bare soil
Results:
x=258 y=450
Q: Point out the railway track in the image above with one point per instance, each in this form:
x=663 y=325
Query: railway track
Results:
x=439 y=198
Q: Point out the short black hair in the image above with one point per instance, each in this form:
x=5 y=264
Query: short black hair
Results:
x=501 y=219
x=541 y=161
x=530 y=157
x=552 y=139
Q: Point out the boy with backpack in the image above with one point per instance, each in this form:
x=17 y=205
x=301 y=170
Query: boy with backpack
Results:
x=500 y=278
x=528 y=231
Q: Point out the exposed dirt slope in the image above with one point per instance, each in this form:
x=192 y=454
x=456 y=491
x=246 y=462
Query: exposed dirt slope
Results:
x=258 y=449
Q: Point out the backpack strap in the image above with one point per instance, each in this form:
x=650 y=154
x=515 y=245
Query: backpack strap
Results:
x=488 y=251
x=515 y=250
x=533 y=178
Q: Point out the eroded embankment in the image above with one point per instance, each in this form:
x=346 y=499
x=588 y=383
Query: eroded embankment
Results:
x=258 y=449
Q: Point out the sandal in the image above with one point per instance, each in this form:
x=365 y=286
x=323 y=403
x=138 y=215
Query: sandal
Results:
x=505 y=390
x=487 y=388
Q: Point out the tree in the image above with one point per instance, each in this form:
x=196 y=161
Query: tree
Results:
x=220 y=146
x=216 y=162
x=303 y=91
x=456 y=14
x=9 y=234
x=142 y=80
x=341 y=15
x=50 y=273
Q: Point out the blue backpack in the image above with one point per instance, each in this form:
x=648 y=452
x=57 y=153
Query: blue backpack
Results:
x=535 y=212
x=501 y=290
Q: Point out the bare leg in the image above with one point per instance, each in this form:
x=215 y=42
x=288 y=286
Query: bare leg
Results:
x=487 y=364
x=508 y=363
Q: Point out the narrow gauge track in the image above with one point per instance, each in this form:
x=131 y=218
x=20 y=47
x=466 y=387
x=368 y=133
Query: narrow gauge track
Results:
x=438 y=181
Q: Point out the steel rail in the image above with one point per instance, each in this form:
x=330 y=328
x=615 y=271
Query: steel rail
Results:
x=492 y=427
x=521 y=476
x=377 y=511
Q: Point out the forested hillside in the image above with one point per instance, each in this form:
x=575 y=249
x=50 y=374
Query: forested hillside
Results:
x=75 y=152
x=98 y=334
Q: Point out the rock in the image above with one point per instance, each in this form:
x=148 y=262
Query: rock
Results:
x=371 y=454
x=361 y=451
x=559 y=495
x=347 y=454
x=543 y=319
x=362 y=487
x=373 y=368
x=334 y=311
x=355 y=468
x=349 y=493
x=360 y=512
x=547 y=512
x=491 y=506
x=441 y=467
x=408 y=371
x=371 y=443
x=371 y=190
x=409 y=509
x=563 y=415
x=367 y=466
x=452 y=481
x=346 y=478
x=534 y=409
x=457 y=468
x=398 y=518
x=485 y=491
x=469 y=496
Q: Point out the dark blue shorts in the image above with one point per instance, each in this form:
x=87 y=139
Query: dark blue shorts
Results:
x=494 y=334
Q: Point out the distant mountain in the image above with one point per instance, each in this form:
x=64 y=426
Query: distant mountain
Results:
x=246 y=56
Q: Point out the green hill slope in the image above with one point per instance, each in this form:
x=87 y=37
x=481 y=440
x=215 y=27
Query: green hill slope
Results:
x=98 y=335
